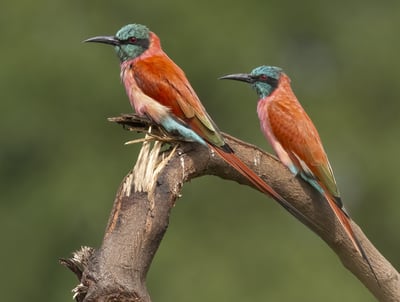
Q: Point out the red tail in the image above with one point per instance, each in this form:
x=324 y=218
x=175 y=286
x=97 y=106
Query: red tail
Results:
x=345 y=222
x=343 y=218
x=261 y=185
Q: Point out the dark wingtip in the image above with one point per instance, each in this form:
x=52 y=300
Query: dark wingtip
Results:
x=226 y=148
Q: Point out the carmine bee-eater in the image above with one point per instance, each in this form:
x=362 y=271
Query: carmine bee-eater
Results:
x=158 y=88
x=295 y=139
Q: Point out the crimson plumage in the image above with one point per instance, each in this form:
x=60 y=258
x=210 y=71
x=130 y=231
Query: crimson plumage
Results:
x=159 y=89
x=295 y=139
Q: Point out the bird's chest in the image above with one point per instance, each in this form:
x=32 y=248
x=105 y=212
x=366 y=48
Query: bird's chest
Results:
x=278 y=122
x=141 y=102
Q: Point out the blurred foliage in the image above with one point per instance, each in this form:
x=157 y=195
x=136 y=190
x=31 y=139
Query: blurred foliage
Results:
x=61 y=161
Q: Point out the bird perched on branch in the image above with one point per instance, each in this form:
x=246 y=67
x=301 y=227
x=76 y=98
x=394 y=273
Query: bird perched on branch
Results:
x=295 y=139
x=158 y=88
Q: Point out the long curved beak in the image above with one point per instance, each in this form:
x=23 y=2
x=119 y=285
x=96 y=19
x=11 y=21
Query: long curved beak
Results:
x=244 y=77
x=111 y=40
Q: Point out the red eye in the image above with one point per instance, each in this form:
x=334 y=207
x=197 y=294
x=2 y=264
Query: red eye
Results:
x=132 y=39
x=263 y=77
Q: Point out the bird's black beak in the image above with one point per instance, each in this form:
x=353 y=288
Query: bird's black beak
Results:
x=244 y=77
x=111 y=40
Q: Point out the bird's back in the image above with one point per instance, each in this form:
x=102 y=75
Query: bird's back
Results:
x=162 y=80
x=298 y=136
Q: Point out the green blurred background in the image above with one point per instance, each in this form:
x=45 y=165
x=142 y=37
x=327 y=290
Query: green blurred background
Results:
x=62 y=162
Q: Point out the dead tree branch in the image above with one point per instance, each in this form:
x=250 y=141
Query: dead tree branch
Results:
x=117 y=271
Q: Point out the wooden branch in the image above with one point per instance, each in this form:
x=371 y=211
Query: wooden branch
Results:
x=117 y=271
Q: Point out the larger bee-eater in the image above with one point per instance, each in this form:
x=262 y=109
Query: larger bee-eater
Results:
x=295 y=139
x=158 y=88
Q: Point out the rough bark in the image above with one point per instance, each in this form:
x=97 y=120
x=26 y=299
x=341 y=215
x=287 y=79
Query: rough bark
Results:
x=117 y=270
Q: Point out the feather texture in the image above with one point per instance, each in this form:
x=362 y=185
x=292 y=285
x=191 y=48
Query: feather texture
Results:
x=285 y=123
x=295 y=139
x=159 y=89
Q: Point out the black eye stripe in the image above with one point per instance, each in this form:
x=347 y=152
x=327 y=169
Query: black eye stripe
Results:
x=271 y=81
x=140 y=42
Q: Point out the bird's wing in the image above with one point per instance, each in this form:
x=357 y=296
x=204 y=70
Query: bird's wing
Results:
x=297 y=134
x=161 y=79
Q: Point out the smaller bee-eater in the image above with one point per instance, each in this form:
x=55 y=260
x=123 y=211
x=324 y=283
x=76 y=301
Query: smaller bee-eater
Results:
x=295 y=139
x=158 y=88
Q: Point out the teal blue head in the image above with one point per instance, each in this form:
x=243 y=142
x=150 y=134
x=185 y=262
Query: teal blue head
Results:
x=264 y=79
x=129 y=42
